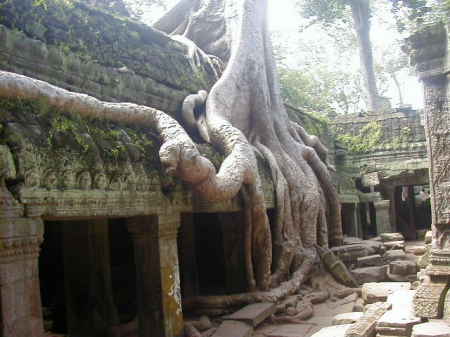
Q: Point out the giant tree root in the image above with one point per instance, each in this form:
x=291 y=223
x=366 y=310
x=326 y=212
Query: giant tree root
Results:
x=221 y=304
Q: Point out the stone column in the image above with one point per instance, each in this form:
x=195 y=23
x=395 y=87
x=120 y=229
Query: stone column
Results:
x=87 y=276
x=431 y=61
x=157 y=275
x=390 y=194
x=20 y=297
x=382 y=216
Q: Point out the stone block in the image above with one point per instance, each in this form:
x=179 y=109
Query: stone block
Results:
x=333 y=331
x=370 y=274
x=366 y=325
x=388 y=237
x=395 y=245
x=427 y=299
x=431 y=329
x=402 y=300
x=397 y=323
x=379 y=292
x=233 y=329
x=394 y=255
x=350 y=253
x=403 y=267
x=253 y=314
x=358 y=306
x=347 y=318
x=417 y=250
x=369 y=261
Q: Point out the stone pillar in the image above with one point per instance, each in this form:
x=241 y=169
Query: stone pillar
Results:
x=390 y=194
x=382 y=216
x=157 y=275
x=20 y=297
x=87 y=276
x=188 y=258
x=430 y=48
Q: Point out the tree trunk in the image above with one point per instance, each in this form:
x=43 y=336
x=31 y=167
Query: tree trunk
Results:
x=361 y=21
x=244 y=112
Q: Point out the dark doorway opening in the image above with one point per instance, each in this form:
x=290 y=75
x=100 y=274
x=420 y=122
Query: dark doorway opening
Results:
x=209 y=254
x=51 y=273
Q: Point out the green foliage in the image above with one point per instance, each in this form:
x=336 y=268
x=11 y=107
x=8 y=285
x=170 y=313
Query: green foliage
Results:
x=368 y=138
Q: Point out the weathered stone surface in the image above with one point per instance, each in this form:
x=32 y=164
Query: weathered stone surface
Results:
x=394 y=245
x=394 y=322
x=402 y=300
x=347 y=318
x=379 y=292
x=369 y=261
x=233 y=329
x=333 y=331
x=370 y=274
x=387 y=237
x=288 y=330
x=365 y=326
x=416 y=250
x=358 y=306
x=253 y=314
x=350 y=253
x=394 y=255
x=427 y=299
x=403 y=267
x=431 y=329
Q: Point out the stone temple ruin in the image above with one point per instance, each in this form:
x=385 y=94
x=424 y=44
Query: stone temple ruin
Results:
x=96 y=240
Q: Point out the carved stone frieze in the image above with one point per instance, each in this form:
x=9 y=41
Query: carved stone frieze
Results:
x=427 y=299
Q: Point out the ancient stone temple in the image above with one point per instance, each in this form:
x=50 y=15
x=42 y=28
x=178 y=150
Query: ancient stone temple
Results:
x=389 y=173
x=429 y=55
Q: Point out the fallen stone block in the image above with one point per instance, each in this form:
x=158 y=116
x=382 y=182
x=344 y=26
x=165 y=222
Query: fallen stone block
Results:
x=397 y=323
x=369 y=261
x=233 y=329
x=404 y=267
x=394 y=245
x=379 y=292
x=253 y=314
x=416 y=250
x=333 y=331
x=402 y=300
x=389 y=237
x=366 y=325
x=370 y=274
x=350 y=240
x=394 y=255
x=436 y=328
x=350 y=253
x=347 y=318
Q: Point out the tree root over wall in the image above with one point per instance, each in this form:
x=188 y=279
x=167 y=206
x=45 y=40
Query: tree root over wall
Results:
x=244 y=117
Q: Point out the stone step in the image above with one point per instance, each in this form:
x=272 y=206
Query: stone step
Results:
x=233 y=329
x=253 y=314
x=436 y=328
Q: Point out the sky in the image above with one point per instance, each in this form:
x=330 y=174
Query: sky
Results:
x=284 y=20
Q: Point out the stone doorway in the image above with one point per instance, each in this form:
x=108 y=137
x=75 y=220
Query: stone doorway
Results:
x=87 y=278
x=412 y=210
